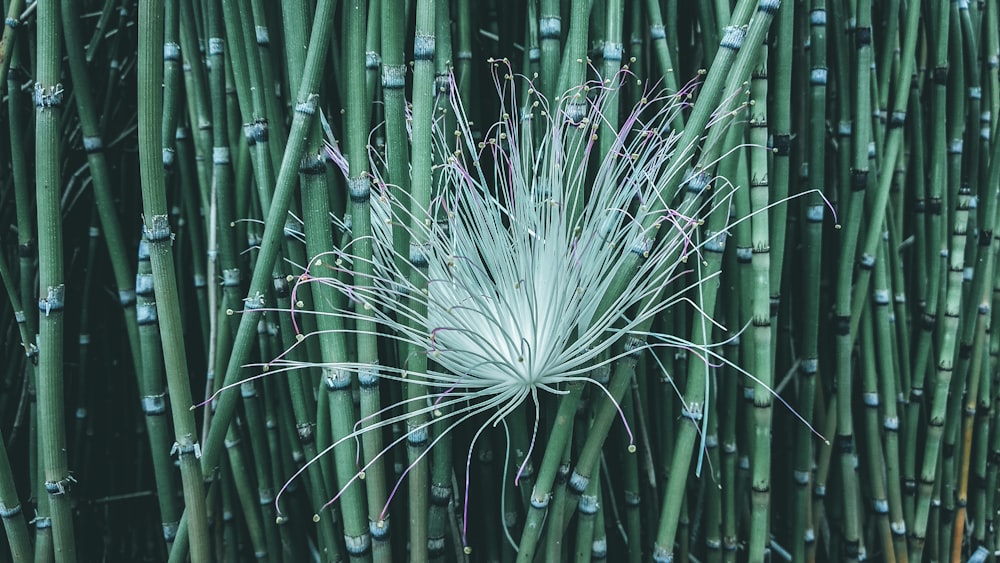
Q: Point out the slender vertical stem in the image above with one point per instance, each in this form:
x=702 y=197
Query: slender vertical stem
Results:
x=52 y=289
x=420 y=195
x=157 y=233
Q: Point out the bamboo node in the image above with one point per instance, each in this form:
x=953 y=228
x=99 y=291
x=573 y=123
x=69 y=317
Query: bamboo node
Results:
x=48 y=97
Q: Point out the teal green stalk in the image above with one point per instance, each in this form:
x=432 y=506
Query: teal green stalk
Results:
x=611 y=56
x=257 y=432
x=249 y=92
x=52 y=289
x=10 y=507
x=636 y=52
x=158 y=233
x=822 y=469
x=240 y=481
x=20 y=317
x=929 y=475
x=728 y=401
x=222 y=174
x=573 y=69
x=531 y=62
x=194 y=212
x=274 y=226
x=991 y=52
x=280 y=432
x=26 y=244
x=993 y=438
x=984 y=284
x=761 y=315
x=923 y=287
x=172 y=92
x=541 y=493
x=420 y=191
x=397 y=152
x=713 y=486
x=590 y=501
x=153 y=396
x=557 y=516
x=11 y=513
x=599 y=546
x=804 y=535
x=373 y=60
x=337 y=383
x=874 y=460
x=958 y=189
x=359 y=191
x=858 y=183
x=887 y=359
x=891 y=151
x=199 y=106
x=463 y=50
x=261 y=37
x=9 y=38
x=549 y=35
x=840 y=67
x=887 y=50
x=710 y=31
x=441 y=470
x=301 y=399
x=781 y=120
x=694 y=394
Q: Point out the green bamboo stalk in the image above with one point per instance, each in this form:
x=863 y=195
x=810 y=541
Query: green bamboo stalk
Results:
x=541 y=493
x=441 y=471
x=359 y=191
x=923 y=237
x=305 y=423
x=859 y=181
x=761 y=316
x=193 y=213
x=250 y=95
x=274 y=227
x=51 y=279
x=804 y=535
x=713 y=486
x=728 y=403
x=694 y=394
x=198 y=101
x=957 y=186
x=158 y=234
x=929 y=475
x=10 y=507
x=611 y=57
x=984 y=286
x=261 y=37
x=419 y=196
x=153 y=396
x=26 y=245
x=333 y=346
x=875 y=459
x=549 y=35
x=574 y=60
x=781 y=120
x=590 y=501
x=257 y=432
x=9 y=39
x=560 y=501
x=888 y=367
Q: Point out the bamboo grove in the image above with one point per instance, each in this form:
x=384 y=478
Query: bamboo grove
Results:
x=192 y=193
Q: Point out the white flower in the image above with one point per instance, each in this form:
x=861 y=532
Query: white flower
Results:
x=542 y=256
